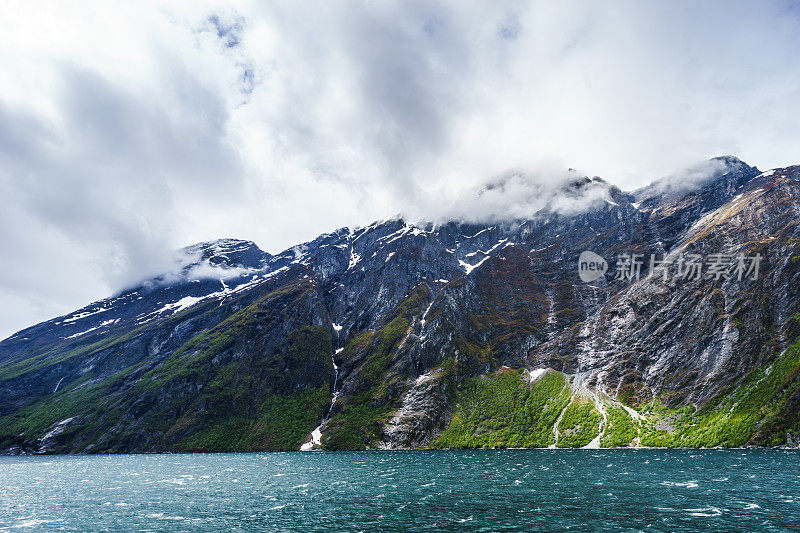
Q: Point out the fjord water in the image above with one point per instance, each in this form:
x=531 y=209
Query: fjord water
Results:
x=490 y=490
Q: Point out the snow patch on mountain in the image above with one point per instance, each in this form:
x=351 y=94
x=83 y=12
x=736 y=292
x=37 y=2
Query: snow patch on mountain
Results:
x=468 y=268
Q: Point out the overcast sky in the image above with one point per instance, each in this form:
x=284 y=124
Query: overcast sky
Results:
x=130 y=129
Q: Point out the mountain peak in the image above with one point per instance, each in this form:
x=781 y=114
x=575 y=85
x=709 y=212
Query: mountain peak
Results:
x=728 y=160
x=228 y=253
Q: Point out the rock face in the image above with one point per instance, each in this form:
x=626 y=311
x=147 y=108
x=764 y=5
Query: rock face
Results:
x=405 y=336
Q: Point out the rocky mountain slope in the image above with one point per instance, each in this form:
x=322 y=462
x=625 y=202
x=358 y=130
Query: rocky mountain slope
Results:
x=403 y=335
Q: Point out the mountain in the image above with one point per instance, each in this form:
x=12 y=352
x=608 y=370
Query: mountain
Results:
x=402 y=335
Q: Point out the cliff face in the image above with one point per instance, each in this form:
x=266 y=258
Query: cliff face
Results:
x=458 y=335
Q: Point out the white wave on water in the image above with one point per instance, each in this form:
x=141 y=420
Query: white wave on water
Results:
x=704 y=512
x=687 y=484
x=174 y=481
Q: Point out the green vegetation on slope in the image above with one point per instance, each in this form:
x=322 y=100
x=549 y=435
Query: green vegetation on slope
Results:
x=282 y=424
x=355 y=428
x=579 y=424
x=620 y=428
x=504 y=411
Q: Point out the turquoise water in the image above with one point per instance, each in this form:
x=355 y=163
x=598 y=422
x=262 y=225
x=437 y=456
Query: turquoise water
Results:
x=502 y=490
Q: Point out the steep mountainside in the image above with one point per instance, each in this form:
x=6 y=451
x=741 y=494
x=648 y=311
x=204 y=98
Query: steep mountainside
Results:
x=453 y=335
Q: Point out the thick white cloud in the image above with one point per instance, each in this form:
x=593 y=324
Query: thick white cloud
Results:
x=128 y=129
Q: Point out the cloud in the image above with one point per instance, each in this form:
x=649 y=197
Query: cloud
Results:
x=689 y=178
x=515 y=195
x=129 y=130
x=188 y=265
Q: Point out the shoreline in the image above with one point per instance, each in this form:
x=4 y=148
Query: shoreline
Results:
x=404 y=450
